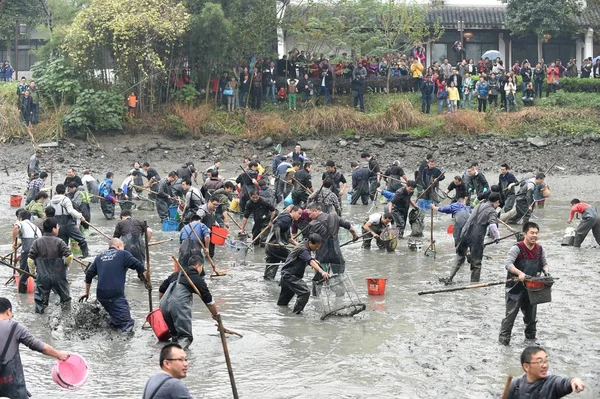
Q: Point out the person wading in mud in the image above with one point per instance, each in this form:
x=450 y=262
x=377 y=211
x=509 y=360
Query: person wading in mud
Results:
x=12 y=333
x=111 y=268
x=525 y=258
x=176 y=300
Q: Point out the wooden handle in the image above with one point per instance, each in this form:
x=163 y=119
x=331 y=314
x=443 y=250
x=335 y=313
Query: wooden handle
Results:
x=506 y=387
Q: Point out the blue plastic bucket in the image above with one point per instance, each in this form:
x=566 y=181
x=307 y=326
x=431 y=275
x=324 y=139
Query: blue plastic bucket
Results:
x=173 y=212
x=424 y=204
x=288 y=200
x=170 y=225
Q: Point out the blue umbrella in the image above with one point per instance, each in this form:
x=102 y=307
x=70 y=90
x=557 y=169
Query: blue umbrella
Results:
x=491 y=54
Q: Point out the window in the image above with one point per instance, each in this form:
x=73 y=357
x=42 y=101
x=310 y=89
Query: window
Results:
x=476 y=50
x=439 y=52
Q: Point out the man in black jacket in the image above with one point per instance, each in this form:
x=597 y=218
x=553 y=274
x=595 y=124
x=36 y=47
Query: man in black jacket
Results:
x=262 y=211
x=302 y=185
x=427 y=88
x=326 y=79
x=278 y=238
x=400 y=204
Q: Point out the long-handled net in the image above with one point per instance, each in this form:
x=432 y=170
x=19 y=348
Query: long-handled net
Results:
x=339 y=297
x=389 y=237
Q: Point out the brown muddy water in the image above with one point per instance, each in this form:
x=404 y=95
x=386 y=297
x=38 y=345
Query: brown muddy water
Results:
x=402 y=346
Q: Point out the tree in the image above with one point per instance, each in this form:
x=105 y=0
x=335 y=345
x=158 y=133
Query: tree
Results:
x=542 y=16
x=394 y=26
x=141 y=36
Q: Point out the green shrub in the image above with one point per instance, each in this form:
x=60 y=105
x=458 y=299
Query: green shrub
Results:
x=96 y=110
x=186 y=95
x=177 y=125
x=57 y=81
x=581 y=85
x=570 y=100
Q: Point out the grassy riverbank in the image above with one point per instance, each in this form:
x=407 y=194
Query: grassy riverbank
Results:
x=562 y=113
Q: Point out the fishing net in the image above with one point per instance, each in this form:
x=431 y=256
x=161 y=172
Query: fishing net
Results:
x=389 y=237
x=239 y=247
x=416 y=218
x=146 y=204
x=338 y=297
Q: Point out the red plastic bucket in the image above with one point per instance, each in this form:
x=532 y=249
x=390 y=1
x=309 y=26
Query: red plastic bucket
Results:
x=72 y=373
x=376 y=286
x=159 y=325
x=218 y=236
x=15 y=200
x=30 y=283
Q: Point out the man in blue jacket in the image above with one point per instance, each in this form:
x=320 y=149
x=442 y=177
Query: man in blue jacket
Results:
x=111 y=268
x=106 y=191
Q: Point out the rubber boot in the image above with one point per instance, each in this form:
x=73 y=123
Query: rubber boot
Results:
x=448 y=280
x=271 y=272
x=85 y=252
x=475 y=273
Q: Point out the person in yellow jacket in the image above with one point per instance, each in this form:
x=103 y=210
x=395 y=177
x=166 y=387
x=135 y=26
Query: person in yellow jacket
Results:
x=416 y=70
x=453 y=97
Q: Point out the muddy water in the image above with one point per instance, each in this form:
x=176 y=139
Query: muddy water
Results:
x=403 y=345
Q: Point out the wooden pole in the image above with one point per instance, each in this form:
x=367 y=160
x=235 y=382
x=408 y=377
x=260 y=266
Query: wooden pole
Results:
x=468 y=287
x=502 y=238
x=506 y=387
x=210 y=260
x=99 y=231
x=431 y=247
x=159 y=242
x=16 y=268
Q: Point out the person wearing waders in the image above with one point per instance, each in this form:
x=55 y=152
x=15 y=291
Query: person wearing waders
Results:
x=208 y=216
x=165 y=197
x=278 y=238
x=420 y=173
x=432 y=177
x=507 y=181
x=193 y=200
x=525 y=259
x=537 y=382
x=81 y=202
x=374 y=225
x=49 y=256
x=339 y=183
x=177 y=299
x=524 y=200
x=111 y=268
x=302 y=185
x=472 y=237
x=394 y=176
x=67 y=217
x=589 y=221
x=460 y=189
x=262 y=212
x=374 y=173
x=28 y=233
x=12 y=333
x=281 y=185
x=224 y=196
x=33 y=166
x=106 y=191
x=460 y=212
x=293 y=271
x=327 y=225
x=325 y=197
x=400 y=204
x=131 y=232
x=360 y=183
x=477 y=183
x=188 y=242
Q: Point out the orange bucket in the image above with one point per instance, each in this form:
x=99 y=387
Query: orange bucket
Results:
x=30 y=283
x=159 y=325
x=376 y=286
x=15 y=200
x=218 y=235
